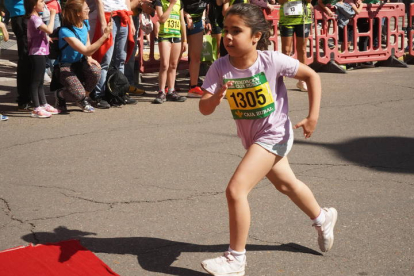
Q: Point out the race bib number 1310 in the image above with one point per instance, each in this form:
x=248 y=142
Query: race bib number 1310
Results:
x=250 y=98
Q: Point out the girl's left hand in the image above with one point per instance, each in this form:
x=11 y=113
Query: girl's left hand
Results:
x=308 y=126
x=184 y=47
x=91 y=61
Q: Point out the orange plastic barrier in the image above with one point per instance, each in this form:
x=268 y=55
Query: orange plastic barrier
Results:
x=385 y=55
x=273 y=16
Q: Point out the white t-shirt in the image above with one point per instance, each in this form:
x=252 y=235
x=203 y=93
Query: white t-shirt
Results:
x=114 y=5
x=258 y=98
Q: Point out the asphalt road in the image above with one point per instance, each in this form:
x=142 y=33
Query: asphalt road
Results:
x=143 y=186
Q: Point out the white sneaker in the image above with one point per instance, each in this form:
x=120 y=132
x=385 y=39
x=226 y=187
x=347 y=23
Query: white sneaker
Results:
x=326 y=231
x=302 y=86
x=225 y=265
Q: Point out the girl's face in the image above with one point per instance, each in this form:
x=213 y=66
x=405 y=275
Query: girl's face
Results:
x=85 y=12
x=40 y=4
x=238 y=38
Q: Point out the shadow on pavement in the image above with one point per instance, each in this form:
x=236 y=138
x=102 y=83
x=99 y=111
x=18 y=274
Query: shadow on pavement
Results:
x=153 y=254
x=387 y=154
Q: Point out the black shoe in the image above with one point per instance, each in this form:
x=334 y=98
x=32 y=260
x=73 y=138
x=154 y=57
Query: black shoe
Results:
x=25 y=107
x=101 y=103
x=128 y=100
x=160 y=98
x=60 y=103
x=174 y=97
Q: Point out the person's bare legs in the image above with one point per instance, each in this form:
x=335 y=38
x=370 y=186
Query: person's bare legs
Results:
x=195 y=46
x=285 y=181
x=254 y=166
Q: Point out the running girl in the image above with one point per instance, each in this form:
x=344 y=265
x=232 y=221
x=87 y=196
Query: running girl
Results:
x=172 y=40
x=252 y=80
x=38 y=44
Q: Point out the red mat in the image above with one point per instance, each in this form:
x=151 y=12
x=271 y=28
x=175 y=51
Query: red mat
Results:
x=66 y=258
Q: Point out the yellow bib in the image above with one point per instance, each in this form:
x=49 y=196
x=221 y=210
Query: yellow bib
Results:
x=250 y=98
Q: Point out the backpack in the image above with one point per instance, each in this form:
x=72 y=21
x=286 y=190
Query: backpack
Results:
x=116 y=87
x=54 y=50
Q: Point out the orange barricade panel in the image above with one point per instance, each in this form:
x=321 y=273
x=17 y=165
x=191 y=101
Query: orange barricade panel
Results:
x=391 y=14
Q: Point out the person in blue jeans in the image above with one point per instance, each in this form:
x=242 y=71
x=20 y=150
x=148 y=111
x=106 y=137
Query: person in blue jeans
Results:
x=113 y=52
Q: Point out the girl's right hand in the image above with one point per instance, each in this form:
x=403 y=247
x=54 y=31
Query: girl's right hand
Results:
x=52 y=12
x=222 y=92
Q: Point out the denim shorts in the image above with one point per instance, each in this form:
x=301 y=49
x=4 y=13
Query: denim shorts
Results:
x=198 y=27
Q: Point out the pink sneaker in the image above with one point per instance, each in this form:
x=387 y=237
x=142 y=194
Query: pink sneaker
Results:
x=39 y=112
x=195 y=92
x=51 y=109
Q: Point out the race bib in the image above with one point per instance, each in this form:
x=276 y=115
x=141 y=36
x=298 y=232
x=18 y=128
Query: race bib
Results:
x=250 y=98
x=173 y=25
x=293 y=8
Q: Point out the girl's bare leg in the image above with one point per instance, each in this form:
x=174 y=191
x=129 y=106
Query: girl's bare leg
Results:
x=287 y=45
x=165 y=51
x=172 y=69
x=301 y=48
x=195 y=46
x=254 y=166
x=283 y=178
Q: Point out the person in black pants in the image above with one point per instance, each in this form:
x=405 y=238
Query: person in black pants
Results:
x=19 y=27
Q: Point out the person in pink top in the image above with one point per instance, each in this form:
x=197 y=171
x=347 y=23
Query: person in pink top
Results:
x=252 y=81
x=38 y=44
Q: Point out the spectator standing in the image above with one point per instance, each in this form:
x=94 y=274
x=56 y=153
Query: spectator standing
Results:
x=38 y=45
x=215 y=16
x=4 y=35
x=138 y=7
x=346 y=10
x=118 y=48
x=19 y=27
x=172 y=40
x=194 y=17
x=295 y=18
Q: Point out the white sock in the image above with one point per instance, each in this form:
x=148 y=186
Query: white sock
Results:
x=239 y=256
x=319 y=220
x=170 y=90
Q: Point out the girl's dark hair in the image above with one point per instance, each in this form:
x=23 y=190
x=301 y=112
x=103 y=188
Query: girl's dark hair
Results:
x=70 y=14
x=29 y=6
x=254 y=19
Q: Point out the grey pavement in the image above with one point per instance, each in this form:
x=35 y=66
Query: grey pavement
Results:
x=143 y=186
